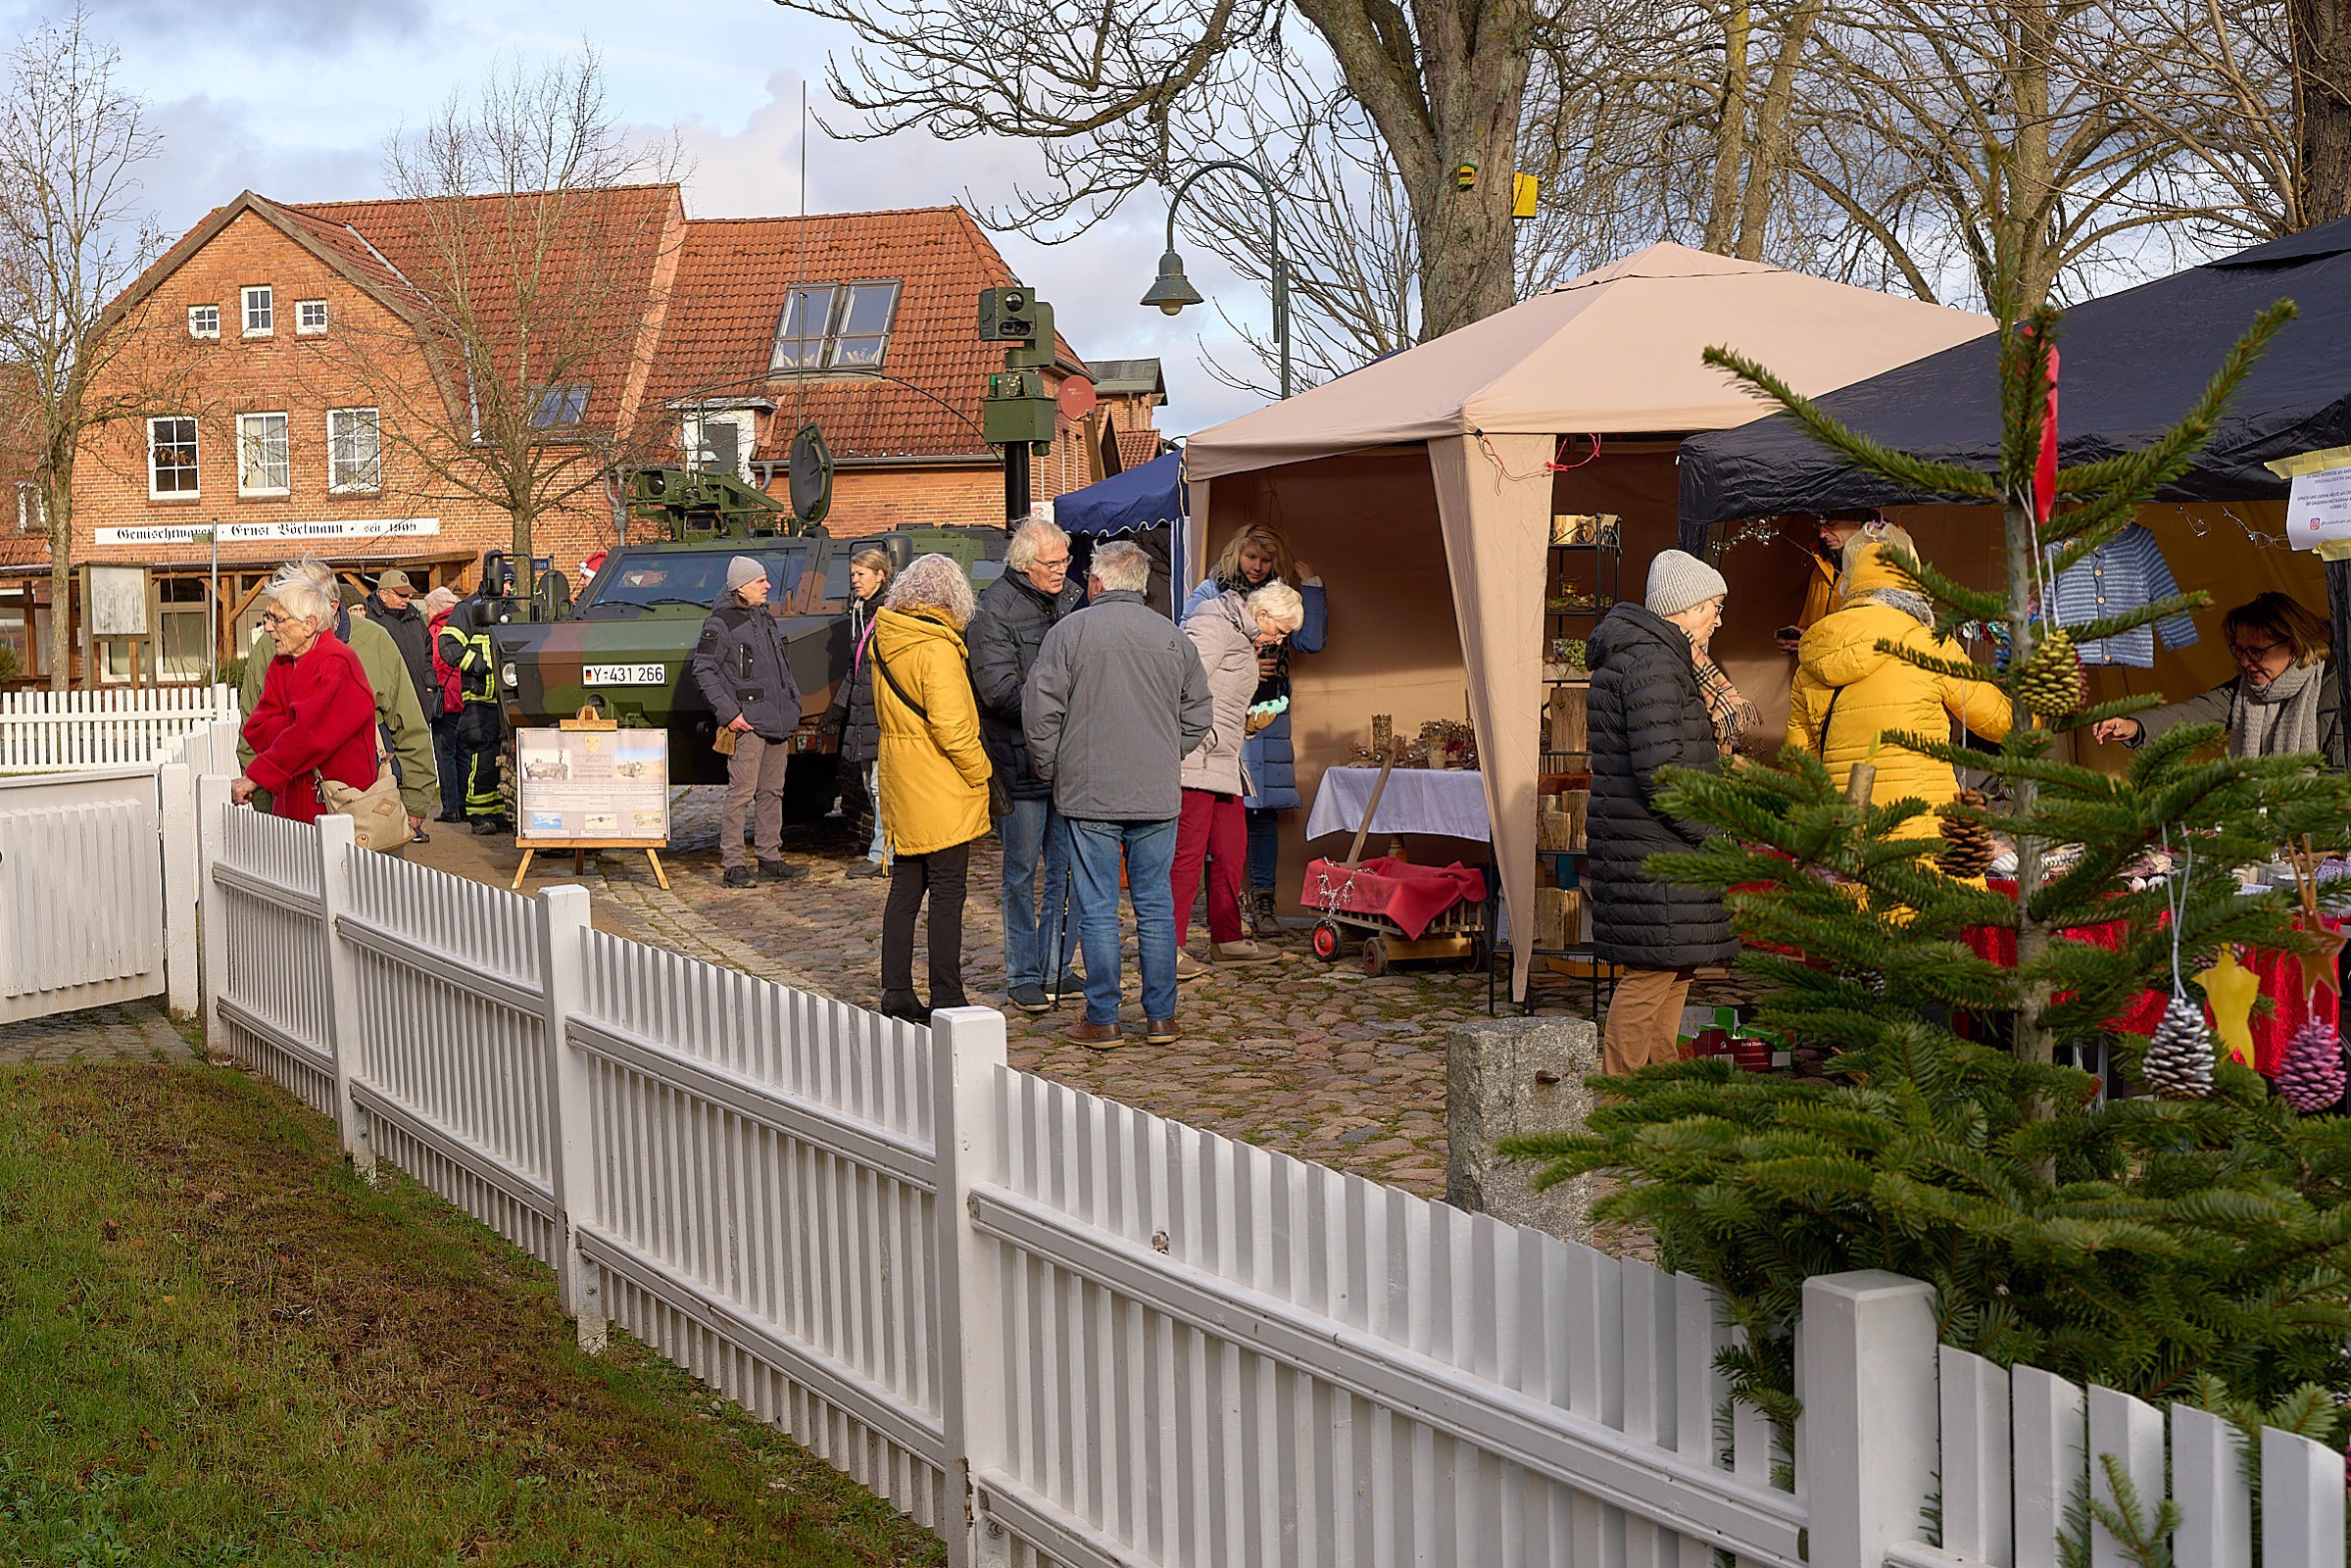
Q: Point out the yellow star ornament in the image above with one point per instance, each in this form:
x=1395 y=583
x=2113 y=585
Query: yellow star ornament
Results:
x=2230 y=987
x=2319 y=968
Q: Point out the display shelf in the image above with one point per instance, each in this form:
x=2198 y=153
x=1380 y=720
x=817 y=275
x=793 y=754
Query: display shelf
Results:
x=1592 y=566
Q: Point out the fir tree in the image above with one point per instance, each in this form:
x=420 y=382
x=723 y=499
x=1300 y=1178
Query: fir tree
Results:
x=2157 y=1246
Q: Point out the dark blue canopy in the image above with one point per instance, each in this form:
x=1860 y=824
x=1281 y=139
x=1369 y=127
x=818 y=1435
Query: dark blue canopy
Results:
x=1141 y=498
x=2131 y=364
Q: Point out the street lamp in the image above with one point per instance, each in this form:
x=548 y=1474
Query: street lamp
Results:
x=1171 y=290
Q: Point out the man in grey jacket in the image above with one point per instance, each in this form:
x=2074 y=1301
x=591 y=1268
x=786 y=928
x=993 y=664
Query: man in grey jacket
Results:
x=1114 y=702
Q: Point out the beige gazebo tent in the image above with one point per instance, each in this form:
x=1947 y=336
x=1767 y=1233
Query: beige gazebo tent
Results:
x=1433 y=475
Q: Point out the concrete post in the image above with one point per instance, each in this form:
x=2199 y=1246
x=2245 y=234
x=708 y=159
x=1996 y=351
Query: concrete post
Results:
x=1504 y=1078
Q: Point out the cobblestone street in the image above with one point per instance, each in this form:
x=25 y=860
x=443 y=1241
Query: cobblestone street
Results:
x=129 y=1031
x=1318 y=1060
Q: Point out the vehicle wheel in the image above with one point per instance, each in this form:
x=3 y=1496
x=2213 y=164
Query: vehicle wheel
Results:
x=1374 y=957
x=1326 y=941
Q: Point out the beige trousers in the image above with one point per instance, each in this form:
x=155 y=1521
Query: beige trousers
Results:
x=755 y=787
x=1645 y=1019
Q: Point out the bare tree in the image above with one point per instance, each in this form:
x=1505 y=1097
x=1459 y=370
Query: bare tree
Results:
x=2320 y=31
x=1119 y=98
x=72 y=236
x=530 y=245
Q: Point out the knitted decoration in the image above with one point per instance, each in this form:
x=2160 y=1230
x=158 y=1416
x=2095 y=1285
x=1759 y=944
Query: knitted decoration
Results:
x=2051 y=680
x=2310 y=1077
x=1967 y=844
x=2177 y=1065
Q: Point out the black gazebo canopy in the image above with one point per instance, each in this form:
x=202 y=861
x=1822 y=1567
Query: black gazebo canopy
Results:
x=2130 y=365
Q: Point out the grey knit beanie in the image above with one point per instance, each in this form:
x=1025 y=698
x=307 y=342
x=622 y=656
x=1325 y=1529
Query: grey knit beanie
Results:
x=1679 y=580
x=743 y=571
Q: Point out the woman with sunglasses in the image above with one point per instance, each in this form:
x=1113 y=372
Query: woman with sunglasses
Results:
x=2283 y=702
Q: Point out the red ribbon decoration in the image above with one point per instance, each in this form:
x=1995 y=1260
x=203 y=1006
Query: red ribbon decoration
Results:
x=2045 y=472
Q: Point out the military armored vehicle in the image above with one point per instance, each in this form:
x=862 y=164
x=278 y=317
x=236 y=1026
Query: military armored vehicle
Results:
x=625 y=645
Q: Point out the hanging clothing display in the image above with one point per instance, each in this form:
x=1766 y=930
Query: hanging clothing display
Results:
x=2127 y=572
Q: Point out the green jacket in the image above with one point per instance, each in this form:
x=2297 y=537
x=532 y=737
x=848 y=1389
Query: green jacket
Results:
x=395 y=707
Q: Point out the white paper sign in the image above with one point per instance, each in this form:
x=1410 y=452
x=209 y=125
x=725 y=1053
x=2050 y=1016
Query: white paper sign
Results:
x=279 y=531
x=2319 y=509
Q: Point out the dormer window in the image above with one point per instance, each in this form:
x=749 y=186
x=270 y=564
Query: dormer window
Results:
x=834 y=326
x=260 y=313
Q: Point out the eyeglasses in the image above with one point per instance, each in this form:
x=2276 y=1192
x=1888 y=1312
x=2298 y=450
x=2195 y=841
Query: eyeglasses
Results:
x=2247 y=653
x=1058 y=563
x=274 y=618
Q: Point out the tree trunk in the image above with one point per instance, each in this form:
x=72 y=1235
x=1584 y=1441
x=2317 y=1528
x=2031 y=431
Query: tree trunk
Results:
x=1723 y=205
x=57 y=498
x=2321 y=38
x=1769 y=141
x=1449 y=93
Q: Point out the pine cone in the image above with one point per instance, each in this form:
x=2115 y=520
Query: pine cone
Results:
x=1968 y=846
x=2310 y=1077
x=2051 y=680
x=2177 y=1065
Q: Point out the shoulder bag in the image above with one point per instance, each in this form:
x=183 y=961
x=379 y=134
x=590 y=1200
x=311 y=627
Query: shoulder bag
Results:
x=1000 y=798
x=378 y=820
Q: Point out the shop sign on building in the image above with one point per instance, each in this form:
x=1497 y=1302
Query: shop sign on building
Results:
x=282 y=530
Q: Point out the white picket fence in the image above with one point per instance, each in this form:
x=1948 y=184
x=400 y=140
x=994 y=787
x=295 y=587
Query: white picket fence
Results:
x=1059 y=1330
x=57 y=732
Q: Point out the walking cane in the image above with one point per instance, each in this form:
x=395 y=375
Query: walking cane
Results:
x=1062 y=942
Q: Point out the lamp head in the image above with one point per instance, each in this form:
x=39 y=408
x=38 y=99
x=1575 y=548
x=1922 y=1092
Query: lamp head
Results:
x=1171 y=290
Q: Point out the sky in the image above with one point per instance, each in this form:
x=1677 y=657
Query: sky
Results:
x=294 y=99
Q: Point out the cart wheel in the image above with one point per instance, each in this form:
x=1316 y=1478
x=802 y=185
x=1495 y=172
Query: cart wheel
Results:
x=1326 y=941
x=1374 y=957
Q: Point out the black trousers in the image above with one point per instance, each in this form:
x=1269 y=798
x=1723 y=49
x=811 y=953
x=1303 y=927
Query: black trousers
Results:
x=942 y=875
x=479 y=732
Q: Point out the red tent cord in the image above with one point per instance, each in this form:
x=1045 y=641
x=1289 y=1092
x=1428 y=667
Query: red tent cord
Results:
x=1552 y=466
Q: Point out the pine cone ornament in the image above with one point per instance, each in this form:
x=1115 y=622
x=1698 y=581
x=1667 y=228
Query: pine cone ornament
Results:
x=2051 y=680
x=2310 y=1077
x=1968 y=846
x=2177 y=1065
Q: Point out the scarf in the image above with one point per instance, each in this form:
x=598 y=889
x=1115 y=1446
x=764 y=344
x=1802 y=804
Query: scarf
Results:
x=1910 y=604
x=2278 y=720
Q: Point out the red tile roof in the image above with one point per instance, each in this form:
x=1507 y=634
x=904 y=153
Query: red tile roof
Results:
x=734 y=277
x=1137 y=447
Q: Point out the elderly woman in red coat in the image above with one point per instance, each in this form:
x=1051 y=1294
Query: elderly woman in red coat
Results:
x=316 y=713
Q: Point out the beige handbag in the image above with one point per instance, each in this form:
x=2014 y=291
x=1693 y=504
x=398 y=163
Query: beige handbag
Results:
x=378 y=820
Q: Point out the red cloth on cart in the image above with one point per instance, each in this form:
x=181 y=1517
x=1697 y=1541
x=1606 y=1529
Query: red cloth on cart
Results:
x=1410 y=895
x=2281 y=976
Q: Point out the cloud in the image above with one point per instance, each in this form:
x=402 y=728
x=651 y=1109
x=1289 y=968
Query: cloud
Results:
x=209 y=153
x=259 y=26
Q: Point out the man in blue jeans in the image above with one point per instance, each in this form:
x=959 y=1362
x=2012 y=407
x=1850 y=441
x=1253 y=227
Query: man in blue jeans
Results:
x=1015 y=613
x=1115 y=703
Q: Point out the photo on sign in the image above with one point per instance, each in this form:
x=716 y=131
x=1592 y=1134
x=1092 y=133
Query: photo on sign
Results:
x=545 y=822
x=601 y=822
x=595 y=784
x=544 y=764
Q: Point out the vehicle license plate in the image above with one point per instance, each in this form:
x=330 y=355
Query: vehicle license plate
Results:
x=625 y=674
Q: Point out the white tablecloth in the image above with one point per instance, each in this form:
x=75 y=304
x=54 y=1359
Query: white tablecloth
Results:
x=1451 y=802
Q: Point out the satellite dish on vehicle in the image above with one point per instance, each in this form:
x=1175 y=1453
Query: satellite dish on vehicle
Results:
x=1076 y=398
x=812 y=475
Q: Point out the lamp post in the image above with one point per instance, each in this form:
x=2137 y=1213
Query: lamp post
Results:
x=1171 y=290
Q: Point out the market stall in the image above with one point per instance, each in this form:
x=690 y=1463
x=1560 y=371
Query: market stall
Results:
x=2130 y=365
x=1423 y=487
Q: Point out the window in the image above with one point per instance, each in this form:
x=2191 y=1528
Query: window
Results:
x=309 y=316
x=354 y=450
x=717 y=443
x=260 y=316
x=834 y=326
x=263 y=465
x=32 y=507
x=635 y=580
x=186 y=627
x=564 y=402
x=171 y=459
x=204 y=320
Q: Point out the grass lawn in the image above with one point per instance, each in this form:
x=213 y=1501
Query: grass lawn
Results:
x=218 y=1346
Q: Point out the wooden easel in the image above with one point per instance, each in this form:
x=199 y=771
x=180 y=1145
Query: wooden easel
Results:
x=579 y=847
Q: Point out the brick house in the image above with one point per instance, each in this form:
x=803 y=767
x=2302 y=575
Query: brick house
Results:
x=726 y=334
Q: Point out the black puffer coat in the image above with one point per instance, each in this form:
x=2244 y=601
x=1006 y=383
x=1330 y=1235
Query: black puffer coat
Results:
x=1646 y=714
x=1015 y=615
x=740 y=665
x=852 y=712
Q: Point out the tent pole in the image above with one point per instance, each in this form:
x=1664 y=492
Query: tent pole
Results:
x=2339 y=612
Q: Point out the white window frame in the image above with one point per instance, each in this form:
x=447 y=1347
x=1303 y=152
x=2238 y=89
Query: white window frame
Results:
x=195 y=330
x=153 y=494
x=247 y=298
x=285 y=430
x=334 y=484
x=691 y=427
x=302 y=318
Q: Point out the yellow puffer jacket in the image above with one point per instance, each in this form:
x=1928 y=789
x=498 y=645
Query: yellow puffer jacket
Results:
x=934 y=775
x=1874 y=692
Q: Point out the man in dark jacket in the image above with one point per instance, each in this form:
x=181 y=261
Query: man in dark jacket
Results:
x=1647 y=714
x=1117 y=702
x=1015 y=613
x=393 y=607
x=741 y=667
